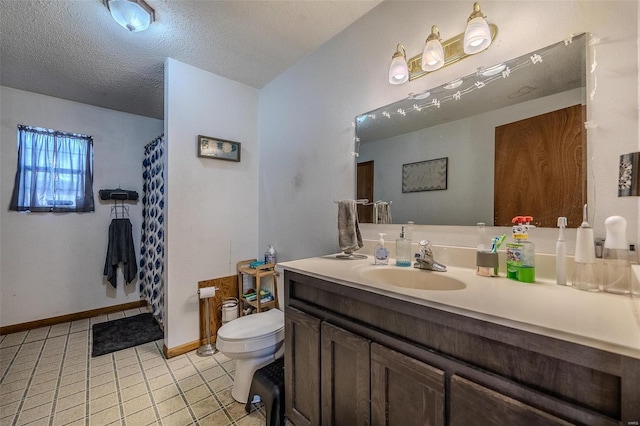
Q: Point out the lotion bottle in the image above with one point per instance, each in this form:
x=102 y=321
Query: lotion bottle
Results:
x=381 y=253
x=270 y=255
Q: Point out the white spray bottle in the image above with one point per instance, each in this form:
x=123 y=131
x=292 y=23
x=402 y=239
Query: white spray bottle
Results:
x=561 y=254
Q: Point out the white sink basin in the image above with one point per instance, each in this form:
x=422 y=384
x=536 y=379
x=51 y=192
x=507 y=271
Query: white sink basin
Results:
x=412 y=278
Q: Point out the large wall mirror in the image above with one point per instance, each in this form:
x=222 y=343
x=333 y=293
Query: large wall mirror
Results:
x=508 y=140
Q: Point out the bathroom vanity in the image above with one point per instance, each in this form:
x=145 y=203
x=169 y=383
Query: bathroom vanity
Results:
x=371 y=345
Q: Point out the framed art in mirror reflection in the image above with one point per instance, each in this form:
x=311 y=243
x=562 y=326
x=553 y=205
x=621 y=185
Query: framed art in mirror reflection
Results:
x=430 y=175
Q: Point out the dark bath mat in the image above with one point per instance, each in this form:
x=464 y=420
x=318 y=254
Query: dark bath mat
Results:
x=124 y=333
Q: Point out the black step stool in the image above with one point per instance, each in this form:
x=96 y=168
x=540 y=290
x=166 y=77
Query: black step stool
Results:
x=268 y=383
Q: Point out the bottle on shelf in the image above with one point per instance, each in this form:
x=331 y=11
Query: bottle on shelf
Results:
x=270 y=255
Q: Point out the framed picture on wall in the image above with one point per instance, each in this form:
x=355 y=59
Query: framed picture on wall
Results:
x=430 y=175
x=219 y=149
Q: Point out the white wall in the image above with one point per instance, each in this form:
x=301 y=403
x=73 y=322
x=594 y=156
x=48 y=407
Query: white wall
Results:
x=52 y=263
x=469 y=146
x=212 y=205
x=306 y=134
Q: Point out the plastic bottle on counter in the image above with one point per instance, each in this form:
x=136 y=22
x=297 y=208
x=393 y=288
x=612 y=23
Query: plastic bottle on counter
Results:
x=521 y=255
x=270 y=255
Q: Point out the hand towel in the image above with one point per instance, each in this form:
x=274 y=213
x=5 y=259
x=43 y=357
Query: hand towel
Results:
x=383 y=212
x=348 y=230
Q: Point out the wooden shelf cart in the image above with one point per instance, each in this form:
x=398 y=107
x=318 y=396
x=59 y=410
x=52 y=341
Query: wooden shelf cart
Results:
x=257 y=274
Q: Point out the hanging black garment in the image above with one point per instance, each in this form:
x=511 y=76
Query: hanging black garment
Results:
x=120 y=250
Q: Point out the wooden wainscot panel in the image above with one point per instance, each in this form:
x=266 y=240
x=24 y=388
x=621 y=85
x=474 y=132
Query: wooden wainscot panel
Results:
x=227 y=287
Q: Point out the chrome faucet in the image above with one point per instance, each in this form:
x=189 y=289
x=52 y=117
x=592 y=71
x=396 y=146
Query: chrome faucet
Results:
x=424 y=259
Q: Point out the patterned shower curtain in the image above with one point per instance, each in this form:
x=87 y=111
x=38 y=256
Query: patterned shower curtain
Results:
x=152 y=236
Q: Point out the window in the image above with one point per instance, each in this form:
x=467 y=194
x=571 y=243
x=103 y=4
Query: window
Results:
x=54 y=173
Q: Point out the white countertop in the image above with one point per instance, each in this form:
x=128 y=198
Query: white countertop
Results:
x=600 y=320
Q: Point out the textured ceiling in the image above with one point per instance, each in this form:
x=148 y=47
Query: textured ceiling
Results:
x=73 y=49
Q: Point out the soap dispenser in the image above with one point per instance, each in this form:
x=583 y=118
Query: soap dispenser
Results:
x=403 y=250
x=521 y=254
x=381 y=253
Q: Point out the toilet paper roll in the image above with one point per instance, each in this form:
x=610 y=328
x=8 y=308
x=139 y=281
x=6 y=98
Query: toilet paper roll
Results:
x=206 y=292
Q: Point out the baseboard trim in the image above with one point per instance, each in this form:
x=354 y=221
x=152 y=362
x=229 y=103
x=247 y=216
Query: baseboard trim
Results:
x=180 y=350
x=15 y=328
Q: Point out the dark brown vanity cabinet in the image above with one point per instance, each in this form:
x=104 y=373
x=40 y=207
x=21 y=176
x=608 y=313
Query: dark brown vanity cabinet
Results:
x=354 y=357
x=355 y=381
x=405 y=391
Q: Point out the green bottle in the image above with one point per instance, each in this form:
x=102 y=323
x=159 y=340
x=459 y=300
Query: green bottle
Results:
x=521 y=255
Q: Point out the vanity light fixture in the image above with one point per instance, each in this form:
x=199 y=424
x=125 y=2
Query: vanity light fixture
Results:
x=477 y=36
x=399 y=71
x=437 y=54
x=433 y=53
x=134 y=15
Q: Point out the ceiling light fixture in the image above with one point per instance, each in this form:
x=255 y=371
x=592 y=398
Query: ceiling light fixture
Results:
x=134 y=15
x=399 y=71
x=437 y=54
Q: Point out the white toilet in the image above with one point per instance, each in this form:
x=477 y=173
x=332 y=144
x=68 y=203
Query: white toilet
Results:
x=254 y=341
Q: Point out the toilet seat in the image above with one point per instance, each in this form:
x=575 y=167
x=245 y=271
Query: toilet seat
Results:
x=253 y=326
x=251 y=333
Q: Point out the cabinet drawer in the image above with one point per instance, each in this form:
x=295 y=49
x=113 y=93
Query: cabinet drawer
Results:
x=475 y=404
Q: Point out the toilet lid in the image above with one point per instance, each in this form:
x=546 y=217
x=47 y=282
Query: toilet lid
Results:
x=253 y=326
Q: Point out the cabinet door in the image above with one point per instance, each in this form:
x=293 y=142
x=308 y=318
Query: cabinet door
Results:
x=475 y=404
x=345 y=367
x=302 y=367
x=405 y=391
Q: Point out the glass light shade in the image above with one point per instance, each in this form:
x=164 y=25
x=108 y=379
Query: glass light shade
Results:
x=131 y=15
x=477 y=36
x=432 y=55
x=399 y=70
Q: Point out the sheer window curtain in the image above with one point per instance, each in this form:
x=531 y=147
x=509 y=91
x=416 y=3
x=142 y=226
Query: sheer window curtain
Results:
x=54 y=172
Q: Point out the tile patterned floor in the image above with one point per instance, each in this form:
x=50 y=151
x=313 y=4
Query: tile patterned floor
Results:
x=48 y=377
